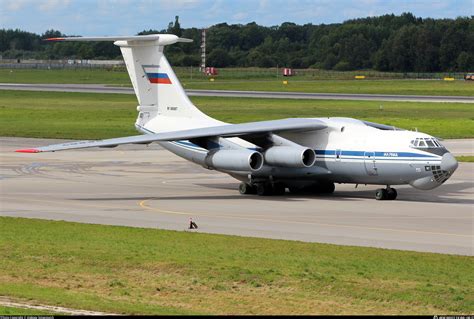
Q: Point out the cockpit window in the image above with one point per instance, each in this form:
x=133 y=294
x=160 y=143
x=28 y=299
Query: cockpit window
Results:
x=425 y=143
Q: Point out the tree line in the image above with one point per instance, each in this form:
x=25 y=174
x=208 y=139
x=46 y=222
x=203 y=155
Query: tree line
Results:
x=403 y=43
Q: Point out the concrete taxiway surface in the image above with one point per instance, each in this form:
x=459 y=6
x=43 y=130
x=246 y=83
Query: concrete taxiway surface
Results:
x=97 y=88
x=149 y=187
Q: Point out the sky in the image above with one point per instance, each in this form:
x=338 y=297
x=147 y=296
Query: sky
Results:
x=125 y=17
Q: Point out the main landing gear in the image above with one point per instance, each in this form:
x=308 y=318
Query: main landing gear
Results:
x=267 y=189
x=262 y=189
x=386 y=193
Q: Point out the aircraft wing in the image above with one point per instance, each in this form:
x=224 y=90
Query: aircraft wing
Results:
x=228 y=130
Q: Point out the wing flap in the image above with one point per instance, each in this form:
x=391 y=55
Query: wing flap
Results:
x=228 y=130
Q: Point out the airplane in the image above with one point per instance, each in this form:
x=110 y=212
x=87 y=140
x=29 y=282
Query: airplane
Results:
x=303 y=155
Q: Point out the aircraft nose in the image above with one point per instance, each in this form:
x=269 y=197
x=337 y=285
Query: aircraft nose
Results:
x=449 y=163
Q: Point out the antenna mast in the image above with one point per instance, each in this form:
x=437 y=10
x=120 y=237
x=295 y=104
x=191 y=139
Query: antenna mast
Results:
x=203 y=50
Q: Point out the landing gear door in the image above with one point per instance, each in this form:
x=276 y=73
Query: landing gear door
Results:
x=370 y=163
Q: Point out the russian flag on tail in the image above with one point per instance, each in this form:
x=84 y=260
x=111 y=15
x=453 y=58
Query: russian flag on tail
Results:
x=154 y=76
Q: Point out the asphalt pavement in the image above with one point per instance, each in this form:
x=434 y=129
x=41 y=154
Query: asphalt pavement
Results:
x=140 y=186
x=98 y=88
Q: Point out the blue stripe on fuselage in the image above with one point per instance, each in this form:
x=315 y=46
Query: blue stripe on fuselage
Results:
x=377 y=154
x=347 y=154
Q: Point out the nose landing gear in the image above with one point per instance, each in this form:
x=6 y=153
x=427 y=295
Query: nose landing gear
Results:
x=386 y=193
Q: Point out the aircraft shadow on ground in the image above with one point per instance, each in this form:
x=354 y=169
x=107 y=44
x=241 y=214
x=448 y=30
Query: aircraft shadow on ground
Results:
x=449 y=194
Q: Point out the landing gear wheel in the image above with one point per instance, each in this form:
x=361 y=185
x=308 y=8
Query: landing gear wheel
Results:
x=279 y=189
x=295 y=190
x=381 y=194
x=328 y=188
x=245 y=189
x=320 y=188
x=264 y=189
x=391 y=194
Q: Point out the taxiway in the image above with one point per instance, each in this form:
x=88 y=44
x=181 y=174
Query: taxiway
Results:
x=143 y=186
x=98 y=88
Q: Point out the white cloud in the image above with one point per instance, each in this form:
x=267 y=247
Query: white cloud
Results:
x=179 y=4
x=216 y=10
x=14 y=5
x=49 y=5
x=240 y=16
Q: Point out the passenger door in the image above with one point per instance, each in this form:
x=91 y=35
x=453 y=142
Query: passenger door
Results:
x=370 y=163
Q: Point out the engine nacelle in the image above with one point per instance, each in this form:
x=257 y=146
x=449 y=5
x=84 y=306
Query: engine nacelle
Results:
x=235 y=160
x=290 y=156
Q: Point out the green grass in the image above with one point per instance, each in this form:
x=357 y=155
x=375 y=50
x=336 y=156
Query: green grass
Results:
x=147 y=271
x=10 y=311
x=94 y=116
x=403 y=87
x=467 y=159
x=237 y=81
x=65 y=76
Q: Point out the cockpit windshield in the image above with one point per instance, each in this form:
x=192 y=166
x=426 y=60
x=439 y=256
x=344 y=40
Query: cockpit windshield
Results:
x=426 y=143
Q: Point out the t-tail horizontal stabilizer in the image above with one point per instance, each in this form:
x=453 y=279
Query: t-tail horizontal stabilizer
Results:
x=163 y=39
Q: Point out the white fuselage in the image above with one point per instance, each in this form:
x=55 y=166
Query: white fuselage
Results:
x=347 y=151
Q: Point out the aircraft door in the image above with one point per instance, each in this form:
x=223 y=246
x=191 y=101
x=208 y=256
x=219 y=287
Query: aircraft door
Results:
x=370 y=163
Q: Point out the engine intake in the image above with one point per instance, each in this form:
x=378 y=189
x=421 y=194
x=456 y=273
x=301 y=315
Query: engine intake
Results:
x=289 y=156
x=235 y=160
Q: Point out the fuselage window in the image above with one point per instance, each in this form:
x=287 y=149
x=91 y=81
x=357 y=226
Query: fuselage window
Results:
x=422 y=144
x=430 y=143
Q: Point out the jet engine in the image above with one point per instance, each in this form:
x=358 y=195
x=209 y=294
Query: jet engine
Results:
x=290 y=156
x=235 y=160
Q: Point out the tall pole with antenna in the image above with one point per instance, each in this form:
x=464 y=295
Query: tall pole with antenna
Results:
x=203 y=50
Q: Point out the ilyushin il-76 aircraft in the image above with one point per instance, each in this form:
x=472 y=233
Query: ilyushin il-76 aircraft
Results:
x=268 y=157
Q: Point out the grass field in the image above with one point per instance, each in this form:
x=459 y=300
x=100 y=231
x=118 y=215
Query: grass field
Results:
x=467 y=159
x=413 y=87
x=147 y=271
x=403 y=87
x=94 y=116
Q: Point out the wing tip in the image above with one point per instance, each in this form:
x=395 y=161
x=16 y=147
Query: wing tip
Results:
x=28 y=150
x=54 y=39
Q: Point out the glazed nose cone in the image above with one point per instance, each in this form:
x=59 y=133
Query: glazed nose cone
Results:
x=449 y=163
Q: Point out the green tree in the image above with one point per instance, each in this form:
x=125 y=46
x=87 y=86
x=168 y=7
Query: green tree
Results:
x=219 y=58
x=465 y=62
x=175 y=28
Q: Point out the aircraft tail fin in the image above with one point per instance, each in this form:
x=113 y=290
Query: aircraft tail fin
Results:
x=156 y=86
